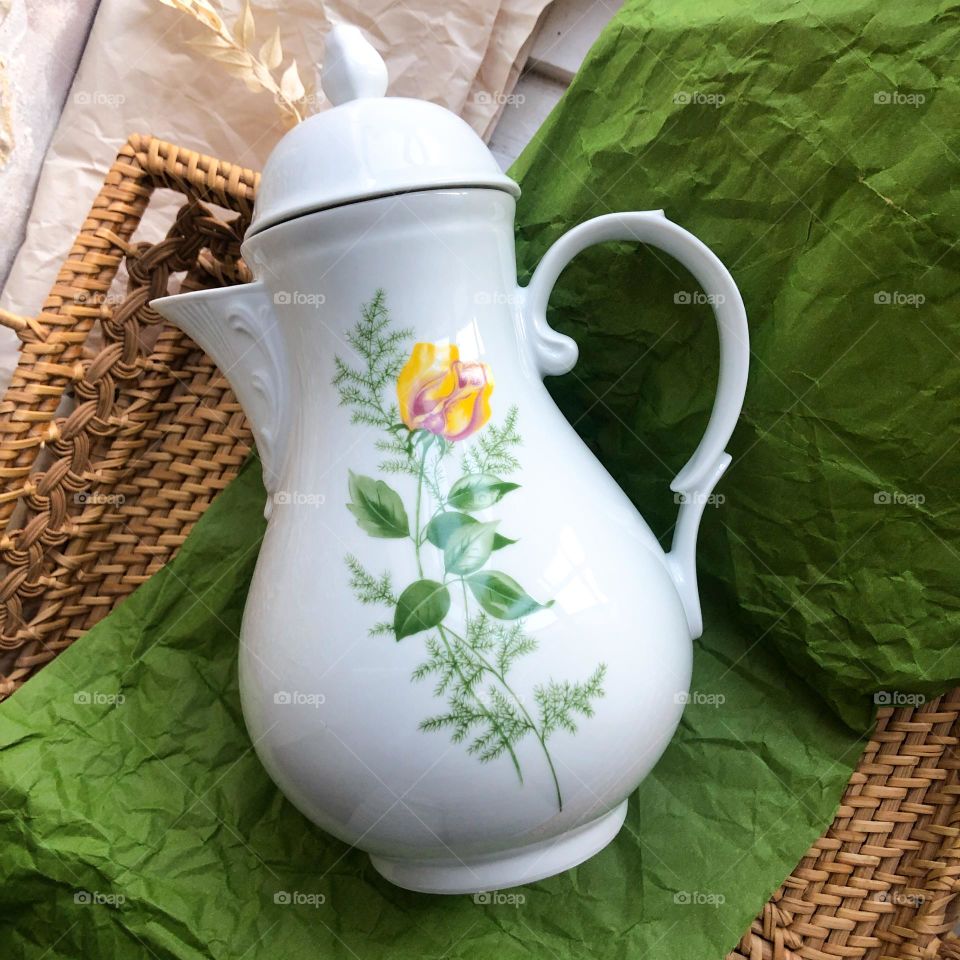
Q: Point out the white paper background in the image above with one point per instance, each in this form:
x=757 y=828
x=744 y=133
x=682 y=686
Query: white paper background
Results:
x=138 y=74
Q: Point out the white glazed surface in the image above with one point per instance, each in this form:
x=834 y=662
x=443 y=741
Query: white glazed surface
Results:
x=357 y=764
x=464 y=750
x=335 y=712
x=368 y=145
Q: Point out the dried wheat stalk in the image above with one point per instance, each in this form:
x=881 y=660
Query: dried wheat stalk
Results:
x=234 y=50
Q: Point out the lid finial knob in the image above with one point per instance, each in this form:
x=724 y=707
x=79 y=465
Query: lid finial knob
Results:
x=352 y=68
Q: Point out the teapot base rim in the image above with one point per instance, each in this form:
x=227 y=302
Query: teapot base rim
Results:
x=509 y=868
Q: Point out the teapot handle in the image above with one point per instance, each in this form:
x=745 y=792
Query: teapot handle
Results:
x=556 y=354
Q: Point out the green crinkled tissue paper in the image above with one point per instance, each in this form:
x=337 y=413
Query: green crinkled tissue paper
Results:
x=810 y=146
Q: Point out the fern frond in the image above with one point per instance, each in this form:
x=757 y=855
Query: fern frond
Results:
x=559 y=701
x=437 y=723
x=493 y=449
x=382 y=356
x=479 y=635
x=399 y=457
x=512 y=643
x=367 y=588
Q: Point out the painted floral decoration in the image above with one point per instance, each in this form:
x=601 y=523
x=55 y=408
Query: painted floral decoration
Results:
x=440 y=393
x=470 y=618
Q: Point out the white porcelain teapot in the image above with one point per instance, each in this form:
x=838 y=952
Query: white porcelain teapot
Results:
x=462 y=649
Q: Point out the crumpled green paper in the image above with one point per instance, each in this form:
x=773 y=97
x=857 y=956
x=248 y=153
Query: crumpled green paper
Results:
x=135 y=820
x=811 y=146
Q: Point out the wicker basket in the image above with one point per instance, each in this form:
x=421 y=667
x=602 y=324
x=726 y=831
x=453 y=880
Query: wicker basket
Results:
x=117 y=432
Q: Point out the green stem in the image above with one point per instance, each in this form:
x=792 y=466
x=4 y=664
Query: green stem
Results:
x=530 y=722
x=491 y=719
x=553 y=771
x=417 y=538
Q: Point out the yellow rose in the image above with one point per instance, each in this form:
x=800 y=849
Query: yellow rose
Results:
x=440 y=393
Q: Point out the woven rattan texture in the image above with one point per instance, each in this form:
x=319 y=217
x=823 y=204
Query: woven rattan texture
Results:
x=881 y=884
x=117 y=432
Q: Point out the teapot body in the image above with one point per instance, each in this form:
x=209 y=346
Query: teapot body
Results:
x=463 y=648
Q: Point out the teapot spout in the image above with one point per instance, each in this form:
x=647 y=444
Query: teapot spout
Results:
x=237 y=327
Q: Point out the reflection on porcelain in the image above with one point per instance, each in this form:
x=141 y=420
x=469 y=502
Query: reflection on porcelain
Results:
x=463 y=648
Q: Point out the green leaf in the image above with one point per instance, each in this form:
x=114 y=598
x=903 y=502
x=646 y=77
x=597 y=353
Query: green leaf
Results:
x=421 y=606
x=377 y=507
x=477 y=491
x=501 y=596
x=469 y=548
x=423 y=438
x=444 y=525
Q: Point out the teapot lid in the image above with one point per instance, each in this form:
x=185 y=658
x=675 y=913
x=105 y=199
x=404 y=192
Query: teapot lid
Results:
x=369 y=145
